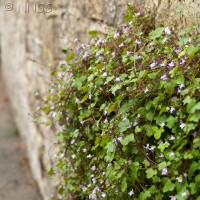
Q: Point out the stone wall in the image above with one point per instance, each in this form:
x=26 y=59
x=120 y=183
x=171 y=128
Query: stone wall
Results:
x=30 y=48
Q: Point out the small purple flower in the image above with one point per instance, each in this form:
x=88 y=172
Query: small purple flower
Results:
x=146 y=90
x=121 y=45
x=172 y=64
x=113 y=54
x=183 y=125
x=153 y=64
x=182 y=85
x=131 y=193
x=116 y=35
x=177 y=51
x=165 y=171
x=168 y=30
x=164 y=77
x=117 y=79
x=126 y=30
x=164 y=64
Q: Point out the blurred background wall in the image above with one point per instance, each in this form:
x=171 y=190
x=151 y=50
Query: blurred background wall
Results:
x=31 y=42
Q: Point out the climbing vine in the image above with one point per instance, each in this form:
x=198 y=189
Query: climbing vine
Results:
x=127 y=107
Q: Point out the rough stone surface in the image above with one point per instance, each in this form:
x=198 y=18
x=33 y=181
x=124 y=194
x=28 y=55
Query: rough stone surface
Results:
x=30 y=48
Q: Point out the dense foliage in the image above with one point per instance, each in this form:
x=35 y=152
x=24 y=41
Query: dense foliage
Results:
x=127 y=108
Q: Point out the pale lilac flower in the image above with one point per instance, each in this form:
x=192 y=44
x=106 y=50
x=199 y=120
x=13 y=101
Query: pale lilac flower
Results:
x=183 y=61
x=84 y=150
x=104 y=74
x=117 y=79
x=103 y=195
x=124 y=119
x=152 y=149
x=78 y=100
x=131 y=22
x=135 y=123
x=184 y=194
x=93 y=168
x=185 y=175
x=76 y=40
x=82 y=122
x=172 y=138
x=172 y=64
x=177 y=51
x=126 y=30
x=99 y=42
x=165 y=171
x=94 y=180
x=131 y=193
x=164 y=64
x=165 y=39
x=164 y=77
x=89 y=156
x=138 y=14
x=83 y=46
x=106 y=121
x=138 y=42
x=183 y=125
x=73 y=142
x=113 y=54
x=105 y=112
x=179 y=179
x=162 y=125
x=168 y=31
x=172 y=109
x=172 y=154
x=146 y=90
x=116 y=35
x=53 y=114
x=172 y=197
x=153 y=64
x=161 y=155
x=147 y=146
x=73 y=156
x=119 y=139
x=90 y=96
x=121 y=45
x=182 y=85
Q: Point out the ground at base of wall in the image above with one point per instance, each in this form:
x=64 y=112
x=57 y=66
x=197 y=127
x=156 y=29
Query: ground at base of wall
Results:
x=16 y=182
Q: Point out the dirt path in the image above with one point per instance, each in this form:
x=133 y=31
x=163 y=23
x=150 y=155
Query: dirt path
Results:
x=16 y=182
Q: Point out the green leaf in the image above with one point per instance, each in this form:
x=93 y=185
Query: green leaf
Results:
x=115 y=88
x=94 y=33
x=51 y=172
x=150 y=173
x=148 y=129
x=124 y=184
x=127 y=139
x=171 y=121
x=144 y=195
x=46 y=109
x=169 y=186
x=110 y=147
x=123 y=126
x=75 y=133
x=65 y=51
x=156 y=33
x=157 y=132
x=153 y=75
x=105 y=140
x=70 y=57
x=191 y=50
